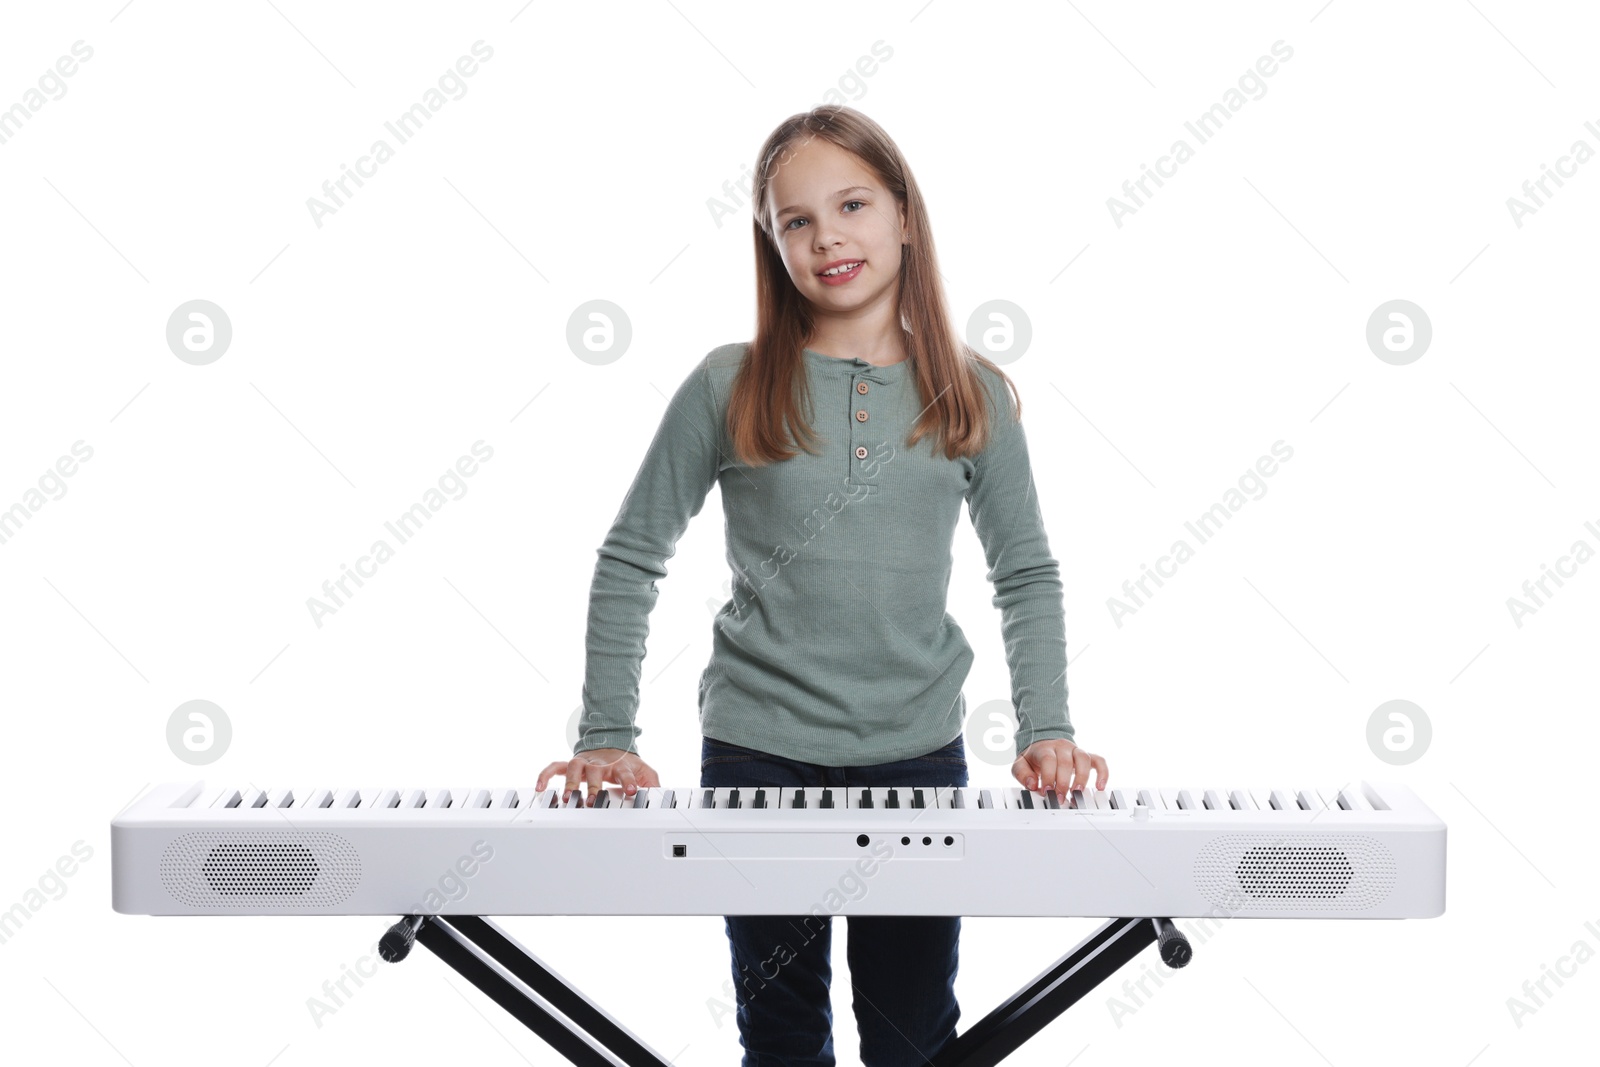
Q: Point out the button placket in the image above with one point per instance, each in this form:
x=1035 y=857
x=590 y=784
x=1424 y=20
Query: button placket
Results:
x=861 y=448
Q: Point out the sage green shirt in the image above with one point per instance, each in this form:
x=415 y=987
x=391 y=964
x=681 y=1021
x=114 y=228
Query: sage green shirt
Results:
x=835 y=647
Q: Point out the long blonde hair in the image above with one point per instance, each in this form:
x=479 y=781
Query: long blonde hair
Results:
x=770 y=388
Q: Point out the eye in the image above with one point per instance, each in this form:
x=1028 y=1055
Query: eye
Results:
x=847 y=203
x=790 y=225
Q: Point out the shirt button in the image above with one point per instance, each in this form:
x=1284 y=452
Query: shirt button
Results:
x=861 y=387
x=861 y=452
x=861 y=416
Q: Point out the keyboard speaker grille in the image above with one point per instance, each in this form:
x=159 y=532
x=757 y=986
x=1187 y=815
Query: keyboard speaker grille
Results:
x=1299 y=872
x=243 y=868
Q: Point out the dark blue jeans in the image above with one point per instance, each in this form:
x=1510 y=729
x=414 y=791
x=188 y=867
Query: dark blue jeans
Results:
x=902 y=967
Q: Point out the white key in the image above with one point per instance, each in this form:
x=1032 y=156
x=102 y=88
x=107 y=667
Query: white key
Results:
x=1214 y=801
x=506 y=798
x=441 y=799
x=477 y=798
x=1119 y=800
x=1310 y=800
x=414 y=798
x=1241 y=800
x=1280 y=800
x=1350 y=799
x=348 y=798
x=228 y=798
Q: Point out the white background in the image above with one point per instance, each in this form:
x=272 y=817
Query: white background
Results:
x=1167 y=356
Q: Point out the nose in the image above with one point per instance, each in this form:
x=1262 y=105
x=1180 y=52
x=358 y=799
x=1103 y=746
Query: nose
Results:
x=825 y=238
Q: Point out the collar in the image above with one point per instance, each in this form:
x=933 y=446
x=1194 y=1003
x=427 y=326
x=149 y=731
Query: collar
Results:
x=858 y=367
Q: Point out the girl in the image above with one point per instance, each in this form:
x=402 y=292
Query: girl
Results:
x=845 y=438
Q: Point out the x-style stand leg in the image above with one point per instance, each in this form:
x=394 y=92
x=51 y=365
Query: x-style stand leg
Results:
x=581 y=1031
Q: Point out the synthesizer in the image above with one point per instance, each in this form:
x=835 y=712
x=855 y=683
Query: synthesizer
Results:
x=1360 y=851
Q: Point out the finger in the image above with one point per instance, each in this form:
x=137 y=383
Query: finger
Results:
x=630 y=784
x=1102 y=772
x=1047 y=771
x=595 y=779
x=647 y=776
x=1080 y=769
x=544 y=775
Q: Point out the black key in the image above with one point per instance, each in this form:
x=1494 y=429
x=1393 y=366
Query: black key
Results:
x=710 y=799
x=1051 y=801
x=916 y=798
x=961 y=798
x=668 y=800
x=760 y=800
x=1079 y=801
x=602 y=799
x=639 y=798
x=799 y=798
x=893 y=801
x=1027 y=799
x=733 y=798
x=866 y=798
x=827 y=799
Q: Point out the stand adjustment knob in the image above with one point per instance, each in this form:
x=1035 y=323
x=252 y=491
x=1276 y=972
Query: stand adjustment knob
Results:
x=396 y=942
x=1173 y=945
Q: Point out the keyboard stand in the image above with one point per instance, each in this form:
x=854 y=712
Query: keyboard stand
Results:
x=1060 y=986
x=520 y=983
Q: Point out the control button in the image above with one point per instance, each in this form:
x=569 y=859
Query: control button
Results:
x=861 y=451
x=861 y=387
x=861 y=416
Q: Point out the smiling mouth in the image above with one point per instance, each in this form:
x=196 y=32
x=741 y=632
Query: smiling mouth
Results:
x=841 y=270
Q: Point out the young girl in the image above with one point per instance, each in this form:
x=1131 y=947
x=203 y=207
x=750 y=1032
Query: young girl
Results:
x=845 y=438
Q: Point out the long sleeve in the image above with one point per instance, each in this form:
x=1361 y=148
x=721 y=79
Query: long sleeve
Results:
x=669 y=489
x=1027 y=580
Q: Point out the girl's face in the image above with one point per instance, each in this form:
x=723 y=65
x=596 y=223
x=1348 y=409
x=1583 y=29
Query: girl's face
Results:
x=829 y=212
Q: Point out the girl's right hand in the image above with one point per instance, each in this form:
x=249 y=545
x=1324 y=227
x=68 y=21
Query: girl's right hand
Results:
x=597 y=766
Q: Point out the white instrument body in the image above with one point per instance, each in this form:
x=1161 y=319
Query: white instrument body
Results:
x=1367 y=851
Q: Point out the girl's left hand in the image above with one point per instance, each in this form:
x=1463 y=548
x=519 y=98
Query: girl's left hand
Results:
x=1060 y=763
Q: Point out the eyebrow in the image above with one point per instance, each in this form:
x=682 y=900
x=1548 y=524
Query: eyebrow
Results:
x=841 y=192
